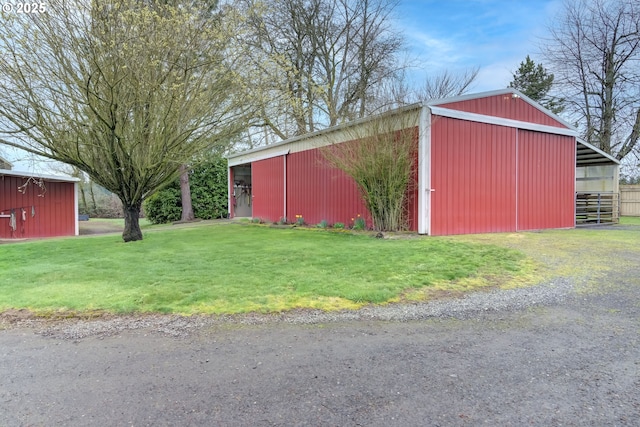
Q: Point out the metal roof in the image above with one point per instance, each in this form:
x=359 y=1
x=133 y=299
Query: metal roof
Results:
x=6 y=162
x=589 y=155
x=586 y=154
x=53 y=178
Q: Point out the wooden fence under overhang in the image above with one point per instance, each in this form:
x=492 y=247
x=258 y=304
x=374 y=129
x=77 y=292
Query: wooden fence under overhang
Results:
x=630 y=200
x=596 y=208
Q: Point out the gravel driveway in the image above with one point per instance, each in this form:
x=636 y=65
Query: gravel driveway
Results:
x=551 y=355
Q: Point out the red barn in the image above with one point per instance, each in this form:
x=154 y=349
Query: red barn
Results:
x=34 y=205
x=489 y=162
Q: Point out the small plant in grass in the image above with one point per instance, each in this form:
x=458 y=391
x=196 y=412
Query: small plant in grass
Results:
x=323 y=224
x=359 y=223
x=299 y=220
x=257 y=220
x=338 y=225
x=282 y=220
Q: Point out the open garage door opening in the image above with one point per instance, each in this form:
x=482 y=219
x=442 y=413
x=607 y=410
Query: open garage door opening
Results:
x=241 y=191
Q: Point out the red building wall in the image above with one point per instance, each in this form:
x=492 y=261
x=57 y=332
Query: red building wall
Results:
x=546 y=180
x=473 y=175
x=490 y=178
x=47 y=213
x=317 y=191
x=267 y=178
x=504 y=106
x=314 y=189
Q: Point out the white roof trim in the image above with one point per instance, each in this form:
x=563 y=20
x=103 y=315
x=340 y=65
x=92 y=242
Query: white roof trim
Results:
x=468 y=97
x=254 y=156
x=37 y=175
x=481 y=118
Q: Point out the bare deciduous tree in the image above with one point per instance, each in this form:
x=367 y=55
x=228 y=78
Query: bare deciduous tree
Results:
x=126 y=91
x=317 y=62
x=594 y=52
x=397 y=92
x=447 y=84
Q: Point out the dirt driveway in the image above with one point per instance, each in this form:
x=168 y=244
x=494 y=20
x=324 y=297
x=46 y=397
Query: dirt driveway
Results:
x=574 y=362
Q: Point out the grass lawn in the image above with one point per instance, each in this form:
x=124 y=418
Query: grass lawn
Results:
x=587 y=254
x=234 y=268
x=630 y=220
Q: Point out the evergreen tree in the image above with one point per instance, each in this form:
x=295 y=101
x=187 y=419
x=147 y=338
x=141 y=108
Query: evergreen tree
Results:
x=535 y=81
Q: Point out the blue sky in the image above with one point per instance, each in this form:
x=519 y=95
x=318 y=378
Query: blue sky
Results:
x=495 y=35
x=455 y=35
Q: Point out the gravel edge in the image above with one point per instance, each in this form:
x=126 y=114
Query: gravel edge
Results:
x=471 y=305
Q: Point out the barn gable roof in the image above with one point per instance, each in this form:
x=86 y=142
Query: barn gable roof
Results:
x=495 y=107
x=319 y=138
x=500 y=103
x=52 y=178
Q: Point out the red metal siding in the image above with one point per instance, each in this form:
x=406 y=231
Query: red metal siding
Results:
x=546 y=180
x=319 y=192
x=473 y=175
x=47 y=213
x=506 y=107
x=267 y=179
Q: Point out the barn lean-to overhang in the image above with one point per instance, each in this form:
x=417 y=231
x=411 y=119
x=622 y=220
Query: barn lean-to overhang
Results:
x=589 y=155
x=597 y=185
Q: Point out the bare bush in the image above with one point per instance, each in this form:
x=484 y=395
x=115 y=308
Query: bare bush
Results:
x=381 y=158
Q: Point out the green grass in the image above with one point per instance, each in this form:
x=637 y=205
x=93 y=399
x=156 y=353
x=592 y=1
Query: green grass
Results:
x=587 y=254
x=234 y=268
x=630 y=220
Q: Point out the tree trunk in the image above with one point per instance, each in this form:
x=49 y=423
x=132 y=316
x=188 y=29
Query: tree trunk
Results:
x=83 y=197
x=185 y=195
x=132 y=230
x=94 y=205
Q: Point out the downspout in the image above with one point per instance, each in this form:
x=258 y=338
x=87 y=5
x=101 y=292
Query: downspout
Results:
x=424 y=171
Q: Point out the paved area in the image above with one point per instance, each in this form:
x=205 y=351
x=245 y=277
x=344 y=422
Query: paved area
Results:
x=576 y=363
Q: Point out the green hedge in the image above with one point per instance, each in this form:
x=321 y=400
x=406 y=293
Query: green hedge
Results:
x=208 y=181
